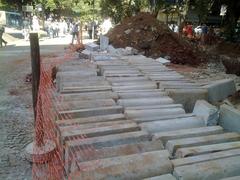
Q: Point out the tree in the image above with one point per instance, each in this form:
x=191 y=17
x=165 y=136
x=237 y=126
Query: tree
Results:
x=202 y=8
x=119 y=9
x=14 y=5
x=232 y=17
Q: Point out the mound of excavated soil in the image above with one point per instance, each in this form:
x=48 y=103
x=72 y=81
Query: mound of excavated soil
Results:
x=146 y=34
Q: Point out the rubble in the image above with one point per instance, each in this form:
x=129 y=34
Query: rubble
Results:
x=145 y=33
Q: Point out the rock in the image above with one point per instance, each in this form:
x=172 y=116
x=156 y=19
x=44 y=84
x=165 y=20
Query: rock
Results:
x=207 y=112
x=127 y=31
x=219 y=90
x=92 y=46
x=111 y=49
x=101 y=57
x=167 y=57
x=163 y=61
x=230 y=118
x=85 y=54
x=103 y=42
x=187 y=97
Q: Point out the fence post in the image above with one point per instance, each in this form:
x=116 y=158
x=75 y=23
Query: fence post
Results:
x=40 y=150
x=36 y=72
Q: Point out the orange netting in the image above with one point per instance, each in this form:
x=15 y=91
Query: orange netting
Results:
x=47 y=112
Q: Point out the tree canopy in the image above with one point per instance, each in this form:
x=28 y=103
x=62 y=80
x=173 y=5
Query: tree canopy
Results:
x=119 y=9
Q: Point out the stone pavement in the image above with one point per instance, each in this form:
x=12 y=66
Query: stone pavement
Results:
x=132 y=111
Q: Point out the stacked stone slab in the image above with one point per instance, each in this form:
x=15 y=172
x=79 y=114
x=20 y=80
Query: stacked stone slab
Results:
x=181 y=89
x=127 y=117
x=96 y=127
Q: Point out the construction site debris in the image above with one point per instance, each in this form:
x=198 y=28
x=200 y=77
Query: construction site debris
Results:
x=146 y=34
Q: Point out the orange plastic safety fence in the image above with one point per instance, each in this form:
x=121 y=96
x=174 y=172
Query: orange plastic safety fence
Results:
x=48 y=107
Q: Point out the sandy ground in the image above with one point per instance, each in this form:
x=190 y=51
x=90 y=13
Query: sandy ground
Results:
x=16 y=115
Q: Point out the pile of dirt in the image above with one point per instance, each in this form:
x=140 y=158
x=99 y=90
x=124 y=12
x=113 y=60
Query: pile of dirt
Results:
x=228 y=48
x=146 y=34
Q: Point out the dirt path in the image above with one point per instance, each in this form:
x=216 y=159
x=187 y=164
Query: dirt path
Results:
x=16 y=116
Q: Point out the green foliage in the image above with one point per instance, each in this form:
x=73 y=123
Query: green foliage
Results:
x=119 y=9
x=202 y=8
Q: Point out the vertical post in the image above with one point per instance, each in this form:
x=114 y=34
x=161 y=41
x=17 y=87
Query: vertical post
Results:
x=36 y=65
x=35 y=60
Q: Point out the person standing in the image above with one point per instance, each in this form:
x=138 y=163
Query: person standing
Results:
x=35 y=24
x=204 y=33
x=2 y=30
x=90 y=29
x=75 y=31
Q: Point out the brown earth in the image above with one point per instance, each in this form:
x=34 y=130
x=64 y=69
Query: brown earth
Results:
x=146 y=34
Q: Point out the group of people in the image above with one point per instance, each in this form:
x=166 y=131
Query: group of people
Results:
x=203 y=33
x=56 y=28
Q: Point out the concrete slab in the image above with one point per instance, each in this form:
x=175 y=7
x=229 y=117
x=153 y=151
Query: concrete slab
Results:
x=197 y=150
x=121 y=150
x=157 y=73
x=186 y=133
x=104 y=41
x=109 y=140
x=154 y=107
x=125 y=167
x=232 y=178
x=76 y=78
x=214 y=170
x=187 y=97
x=92 y=119
x=68 y=134
x=205 y=157
x=140 y=90
x=81 y=89
x=87 y=96
x=131 y=95
x=85 y=83
x=229 y=118
x=126 y=79
x=90 y=112
x=144 y=101
x=120 y=71
x=71 y=105
x=220 y=90
x=159 y=118
x=124 y=75
x=179 y=86
x=91 y=46
x=207 y=112
x=162 y=177
x=173 y=145
x=165 y=78
x=135 y=87
x=80 y=72
x=171 y=125
x=144 y=82
x=135 y=114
